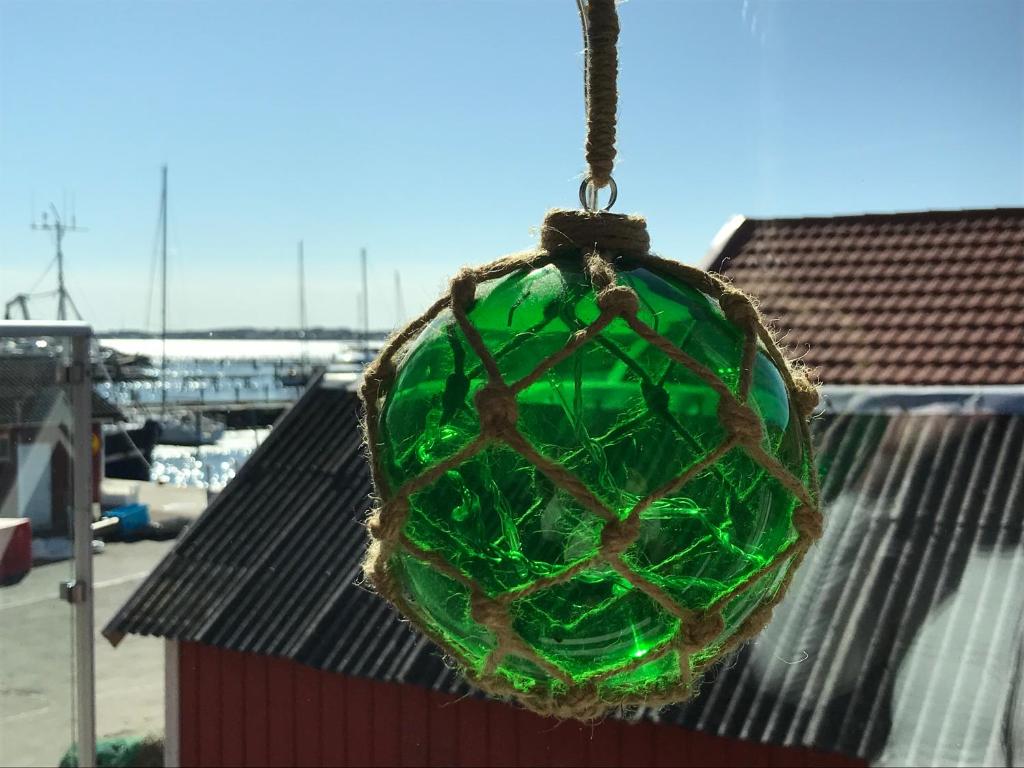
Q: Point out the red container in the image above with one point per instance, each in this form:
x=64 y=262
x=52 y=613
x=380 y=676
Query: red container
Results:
x=15 y=549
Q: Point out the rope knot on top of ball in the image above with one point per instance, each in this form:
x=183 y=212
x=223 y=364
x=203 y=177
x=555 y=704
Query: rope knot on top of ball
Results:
x=573 y=231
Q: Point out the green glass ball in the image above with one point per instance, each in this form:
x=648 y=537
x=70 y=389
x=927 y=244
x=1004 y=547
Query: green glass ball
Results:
x=625 y=419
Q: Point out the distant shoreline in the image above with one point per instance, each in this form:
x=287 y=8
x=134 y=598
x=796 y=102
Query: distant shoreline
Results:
x=291 y=334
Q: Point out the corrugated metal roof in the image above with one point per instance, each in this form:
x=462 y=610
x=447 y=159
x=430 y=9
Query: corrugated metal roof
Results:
x=900 y=641
x=921 y=297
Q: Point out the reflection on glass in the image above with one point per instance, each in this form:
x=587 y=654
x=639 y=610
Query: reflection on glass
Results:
x=902 y=638
x=36 y=682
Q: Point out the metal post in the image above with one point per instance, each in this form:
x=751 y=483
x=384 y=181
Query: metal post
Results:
x=81 y=407
x=172 y=706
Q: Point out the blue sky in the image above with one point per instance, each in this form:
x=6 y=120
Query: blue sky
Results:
x=437 y=134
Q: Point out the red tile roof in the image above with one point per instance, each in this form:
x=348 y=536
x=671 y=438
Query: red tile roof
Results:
x=923 y=298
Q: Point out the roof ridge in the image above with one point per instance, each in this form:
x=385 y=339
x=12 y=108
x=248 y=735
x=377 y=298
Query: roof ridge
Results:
x=843 y=285
x=891 y=215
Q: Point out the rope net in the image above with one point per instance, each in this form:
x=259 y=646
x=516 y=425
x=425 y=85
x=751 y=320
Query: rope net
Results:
x=493 y=642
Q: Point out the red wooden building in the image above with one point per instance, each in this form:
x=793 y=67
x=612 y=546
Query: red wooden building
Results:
x=252 y=709
x=900 y=642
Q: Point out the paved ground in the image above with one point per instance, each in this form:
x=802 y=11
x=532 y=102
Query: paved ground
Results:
x=36 y=659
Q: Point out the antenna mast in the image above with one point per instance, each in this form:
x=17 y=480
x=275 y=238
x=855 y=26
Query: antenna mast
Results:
x=59 y=228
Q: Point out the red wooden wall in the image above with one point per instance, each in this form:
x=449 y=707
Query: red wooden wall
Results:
x=241 y=709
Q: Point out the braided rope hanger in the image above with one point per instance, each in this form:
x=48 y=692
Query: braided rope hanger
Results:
x=600 y=22
x=601 y=244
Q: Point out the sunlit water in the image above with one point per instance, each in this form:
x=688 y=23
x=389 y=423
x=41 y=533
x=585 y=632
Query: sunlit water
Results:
x=209 y=466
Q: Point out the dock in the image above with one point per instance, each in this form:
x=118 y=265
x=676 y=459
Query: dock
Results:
x=239 y=407
x=165 y=501
x=241 y=415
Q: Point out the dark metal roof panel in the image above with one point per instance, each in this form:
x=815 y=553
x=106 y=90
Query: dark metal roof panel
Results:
x=900 y=640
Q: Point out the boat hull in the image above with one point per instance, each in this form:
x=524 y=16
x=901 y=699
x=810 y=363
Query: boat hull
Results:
x=128 y=453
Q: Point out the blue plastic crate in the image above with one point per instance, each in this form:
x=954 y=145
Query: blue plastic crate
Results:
x=134 y=517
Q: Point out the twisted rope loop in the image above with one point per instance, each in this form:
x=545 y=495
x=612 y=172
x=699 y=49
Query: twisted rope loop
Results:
x=600 y=39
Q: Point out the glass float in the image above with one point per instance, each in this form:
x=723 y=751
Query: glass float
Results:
x=508 y=568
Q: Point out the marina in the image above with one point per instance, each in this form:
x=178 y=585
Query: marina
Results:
x=237 y=384
x=212 y=389
x=187 y=409
x=186 y=412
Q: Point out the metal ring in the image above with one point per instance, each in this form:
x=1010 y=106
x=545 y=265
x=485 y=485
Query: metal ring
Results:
x=588 y=198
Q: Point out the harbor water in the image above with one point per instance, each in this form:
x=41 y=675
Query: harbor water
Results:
x=212 y=371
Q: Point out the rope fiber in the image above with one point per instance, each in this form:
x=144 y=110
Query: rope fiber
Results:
x=600 y=37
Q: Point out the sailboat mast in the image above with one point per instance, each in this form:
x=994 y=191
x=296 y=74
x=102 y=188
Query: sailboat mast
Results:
x=302 y=306
x=366 y=308
x=399 y=302
x=163 y=291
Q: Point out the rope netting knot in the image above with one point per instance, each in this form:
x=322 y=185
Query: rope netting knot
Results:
x=618 y=535
x=805 y=394
x=487 y=612
x=618 y=300
x=702 y=631
x=809 y=520
x=389 y=526
x=601 y=246
x=741 y=421
x=498 y=410
x=739 y=309
x=464 y=288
